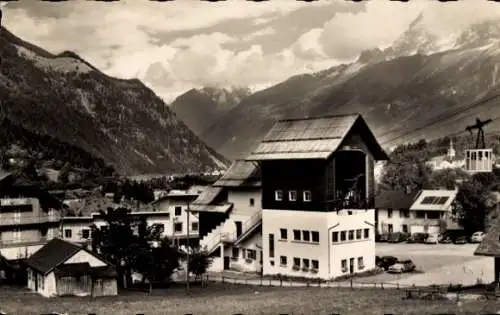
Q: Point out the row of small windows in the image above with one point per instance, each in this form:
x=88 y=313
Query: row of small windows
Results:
x=298 y=235
x=292 y=195
x=178 y=227
x=350 y=235
x=306 y=263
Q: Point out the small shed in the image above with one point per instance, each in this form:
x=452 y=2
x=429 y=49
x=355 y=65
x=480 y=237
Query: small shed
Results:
x=62 y=268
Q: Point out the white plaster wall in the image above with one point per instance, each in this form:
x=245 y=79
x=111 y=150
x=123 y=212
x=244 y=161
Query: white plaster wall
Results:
x=21 y=251
x=240 y=263
x=274 y=220
x=360 y=219
x=328 y=254
x=396 y=220
x=241 y=201
x=83 y=256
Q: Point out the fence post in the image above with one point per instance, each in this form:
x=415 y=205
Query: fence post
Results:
x=246 y=282
x=270 y=283
x=222 y=278
x=397 y=285
x=382 y=285
x=260 y=281
x=281 y=282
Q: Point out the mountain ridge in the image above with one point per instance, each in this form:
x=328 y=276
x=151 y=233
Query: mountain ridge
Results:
x=121 y=121
x=396 y=95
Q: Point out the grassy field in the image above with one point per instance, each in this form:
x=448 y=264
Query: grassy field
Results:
x=233 y=299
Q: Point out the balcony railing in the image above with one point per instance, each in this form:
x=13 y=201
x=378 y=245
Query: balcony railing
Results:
x=350 y=203
x=6 y=220
x=248 y=224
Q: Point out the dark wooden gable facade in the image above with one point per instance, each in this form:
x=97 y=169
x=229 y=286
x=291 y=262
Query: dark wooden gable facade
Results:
x=329 y=159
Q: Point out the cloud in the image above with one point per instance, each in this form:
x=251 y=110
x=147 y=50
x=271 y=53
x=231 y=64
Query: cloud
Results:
x=346 y=34
x=188 y=43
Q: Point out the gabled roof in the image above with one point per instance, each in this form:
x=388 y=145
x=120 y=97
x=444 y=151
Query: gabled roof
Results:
x=53 y=254
x=208 y=196
x=437 y=200
x=490 y=246
x=313 y=138
x=240 y=174
x=395 y=199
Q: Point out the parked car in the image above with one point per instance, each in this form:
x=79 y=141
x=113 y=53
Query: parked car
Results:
x=385 y=262
x=446 y=239
x=432 y=239
x=398 y=237
x=477 y=237
x=418 y=238
x=402 y=266
x=460 y=240
x=384 y=237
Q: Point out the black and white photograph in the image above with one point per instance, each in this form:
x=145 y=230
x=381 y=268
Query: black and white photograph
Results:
x=249 y=157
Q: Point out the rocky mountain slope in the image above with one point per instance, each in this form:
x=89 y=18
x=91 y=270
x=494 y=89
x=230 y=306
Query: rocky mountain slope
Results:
x=121 y=121
x=420 y=87
x=200 y=108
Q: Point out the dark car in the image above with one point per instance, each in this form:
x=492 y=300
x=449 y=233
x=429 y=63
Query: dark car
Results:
x=398 y=237
x=402 y=266
x=418 y=238
x=384 y=237
x=446 y=240
x=385 y=261
x=460 y=240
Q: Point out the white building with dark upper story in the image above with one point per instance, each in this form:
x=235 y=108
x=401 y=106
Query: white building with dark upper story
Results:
x=318 y=217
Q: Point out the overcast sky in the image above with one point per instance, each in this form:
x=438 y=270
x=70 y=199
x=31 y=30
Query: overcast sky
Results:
x=188 y=43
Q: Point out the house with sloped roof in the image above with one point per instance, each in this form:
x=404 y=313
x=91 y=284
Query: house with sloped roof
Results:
x=425 y=211
x=230 y=216
x=392 y=208
x=62 y=268
x=318 y=189
x=433 y=212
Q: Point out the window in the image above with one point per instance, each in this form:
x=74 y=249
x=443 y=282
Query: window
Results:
x=43 y=231
x=194 y=226
x=178 y=211
x=335 y=237
x=315 y=236
x=283 y=260
x=305 y=263
x=367 y=233
x=361 y=264
x=296 y=262
x=236 y=252
x=278 y=195
x=68 y=233
x=420 y=214
x=390 y=228
x=342 y=236
x=271 y=245
x=307 y=196
x=343 y=265
x=351 y=235
x=389 y=213
x=358 y=234
x=251 y=254
x=306 y=236
x=315 y=264
x=433 y=215
x=404 y=227
x=283 y=234
x=404 y=213
x=252 y=202
x=85 y=233
x=178 y=227
x=296 y=235
x=292 y=195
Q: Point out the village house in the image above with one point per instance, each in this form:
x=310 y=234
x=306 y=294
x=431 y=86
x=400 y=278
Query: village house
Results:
x=29 y=217
x=233 y=206
x=176 y=203
x=392 y=209
x=432 y=212
x=318 y=217
x=62 y=268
